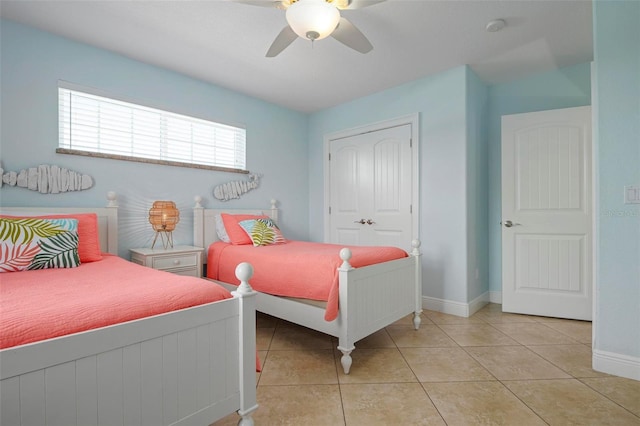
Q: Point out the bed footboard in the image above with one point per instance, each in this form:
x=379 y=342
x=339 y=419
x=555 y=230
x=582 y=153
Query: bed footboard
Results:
x=375 y=296
x=191 y=366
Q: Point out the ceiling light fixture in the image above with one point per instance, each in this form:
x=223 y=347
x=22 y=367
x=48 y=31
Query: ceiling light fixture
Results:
x=313 y=19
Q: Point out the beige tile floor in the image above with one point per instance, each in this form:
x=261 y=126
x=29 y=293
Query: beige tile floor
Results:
x=490 y=369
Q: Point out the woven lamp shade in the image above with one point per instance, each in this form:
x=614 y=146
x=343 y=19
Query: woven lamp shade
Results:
x=163 y=217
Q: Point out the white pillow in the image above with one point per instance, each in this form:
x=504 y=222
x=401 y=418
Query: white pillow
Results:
x=220 y=230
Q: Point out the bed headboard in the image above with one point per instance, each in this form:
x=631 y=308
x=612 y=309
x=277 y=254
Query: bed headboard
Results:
x=204 y=224
x=107 y=219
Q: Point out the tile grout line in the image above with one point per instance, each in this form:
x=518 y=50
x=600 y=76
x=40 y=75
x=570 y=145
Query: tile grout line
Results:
x=417 y=378
x=605 y=396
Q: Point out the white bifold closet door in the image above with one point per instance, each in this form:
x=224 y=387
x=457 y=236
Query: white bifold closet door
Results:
x=371 y=188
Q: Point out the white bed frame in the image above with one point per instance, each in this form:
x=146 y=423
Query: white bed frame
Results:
x=371 y=297
x=187 y=367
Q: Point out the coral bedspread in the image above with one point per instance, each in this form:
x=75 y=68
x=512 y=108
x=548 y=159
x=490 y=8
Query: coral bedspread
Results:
x=42 y=304
x=294 y=269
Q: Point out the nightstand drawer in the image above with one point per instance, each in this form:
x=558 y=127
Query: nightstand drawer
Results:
x=189 y=272
x=181 y=261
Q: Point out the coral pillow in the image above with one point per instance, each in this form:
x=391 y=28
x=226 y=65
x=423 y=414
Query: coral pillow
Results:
x=29 y=243
x=89 y=242
x=263 y=232
x=237 y=235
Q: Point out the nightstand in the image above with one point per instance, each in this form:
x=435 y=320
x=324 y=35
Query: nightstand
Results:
x=181 y=260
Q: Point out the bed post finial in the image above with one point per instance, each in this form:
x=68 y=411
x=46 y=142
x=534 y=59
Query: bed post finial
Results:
x=244 y=271
x=415 y=244
x=198 y=200
x=274 y=210
x=112 y=197
x=345 y=255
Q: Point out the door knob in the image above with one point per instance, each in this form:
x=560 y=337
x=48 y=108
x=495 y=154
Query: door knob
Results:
x=370 y=222
x=361 y=221
x=509 y=224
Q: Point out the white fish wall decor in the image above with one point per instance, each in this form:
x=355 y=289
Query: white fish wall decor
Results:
x=47 y=179
x=235 y=189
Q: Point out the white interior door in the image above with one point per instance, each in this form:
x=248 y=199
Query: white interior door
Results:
x=371 y=188
x=546 y=213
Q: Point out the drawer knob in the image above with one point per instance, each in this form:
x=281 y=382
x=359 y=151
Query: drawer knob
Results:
x=176 y=262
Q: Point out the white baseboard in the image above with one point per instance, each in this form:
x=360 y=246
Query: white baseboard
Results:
x=616 y=364
x=495 y=297
x=478 y=303
x=455 y=308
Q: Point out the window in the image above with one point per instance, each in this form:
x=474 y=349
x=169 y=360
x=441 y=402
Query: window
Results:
x=103 y=127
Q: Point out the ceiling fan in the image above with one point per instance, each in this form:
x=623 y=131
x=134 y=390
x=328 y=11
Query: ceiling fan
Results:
x=316 y=19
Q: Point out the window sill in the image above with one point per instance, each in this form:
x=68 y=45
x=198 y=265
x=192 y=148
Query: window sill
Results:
x=148 y=160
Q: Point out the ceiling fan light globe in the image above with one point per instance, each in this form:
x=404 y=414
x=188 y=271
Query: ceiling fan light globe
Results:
x=313 y=19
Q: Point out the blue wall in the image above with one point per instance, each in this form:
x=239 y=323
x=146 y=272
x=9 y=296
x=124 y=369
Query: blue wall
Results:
x=564 y=88
x=34 y=61
x=477 y=187
x=617 y=149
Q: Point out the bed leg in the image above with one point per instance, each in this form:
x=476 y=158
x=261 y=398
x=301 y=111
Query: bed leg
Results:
x=246 y=420
x=416 y=320
x=346 y=360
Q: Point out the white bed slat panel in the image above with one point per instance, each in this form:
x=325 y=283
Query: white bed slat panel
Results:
x=151 y=373
x=132 y=384
x=170 y=379
x=203 y=370
x=217 y=333
x=187 y=372
x=87 y=391
x=110 y=388
x=60 y=394
x=10 y=402
x=232 y=357
x=32 y=408
x=389 y=292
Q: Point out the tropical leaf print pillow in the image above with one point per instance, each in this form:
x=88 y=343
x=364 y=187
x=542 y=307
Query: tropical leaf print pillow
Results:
x=263 y=232
x=36 y=243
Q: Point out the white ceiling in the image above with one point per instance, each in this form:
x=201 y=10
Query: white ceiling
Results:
x=224 y=42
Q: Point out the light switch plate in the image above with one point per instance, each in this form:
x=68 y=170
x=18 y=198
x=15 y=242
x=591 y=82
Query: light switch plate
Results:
x=632 y=194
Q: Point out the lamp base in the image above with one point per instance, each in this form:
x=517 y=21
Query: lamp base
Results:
x=166 y=237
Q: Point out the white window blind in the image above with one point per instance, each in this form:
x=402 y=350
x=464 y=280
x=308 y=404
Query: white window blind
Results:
x=117 y=129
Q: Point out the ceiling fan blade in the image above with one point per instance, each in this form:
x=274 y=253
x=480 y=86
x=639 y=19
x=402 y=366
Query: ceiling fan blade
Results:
x=282 y=41
x=263 y=3
x=347 y=34
x=359 y=4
